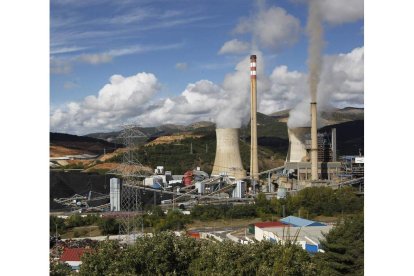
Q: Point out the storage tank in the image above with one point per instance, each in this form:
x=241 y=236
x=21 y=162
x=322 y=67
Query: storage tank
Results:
x=200 y=186
x=240 y=190
x=188 y=178
x=281 y=193
x=228 y=158
x=115 y=194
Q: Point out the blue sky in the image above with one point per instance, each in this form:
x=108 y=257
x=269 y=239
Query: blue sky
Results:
x=182 y=43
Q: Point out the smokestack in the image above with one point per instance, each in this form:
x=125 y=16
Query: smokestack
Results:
x=228 y=158
x=254 y=168
x=315 y=32
x=314 y=143
x=333 y=143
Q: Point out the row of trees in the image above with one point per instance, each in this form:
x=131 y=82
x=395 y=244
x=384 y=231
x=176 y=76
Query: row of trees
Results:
x=154 y=218
x=309 y=202
x=106 y=225
x=166 y=254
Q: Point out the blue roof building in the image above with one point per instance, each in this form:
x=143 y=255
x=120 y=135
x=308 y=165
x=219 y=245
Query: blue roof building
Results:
x=300 y=222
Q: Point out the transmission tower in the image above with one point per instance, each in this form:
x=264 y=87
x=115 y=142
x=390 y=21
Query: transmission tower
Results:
x=132 y=174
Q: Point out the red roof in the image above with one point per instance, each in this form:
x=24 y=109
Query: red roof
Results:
x=269 y=224
x=73 y=254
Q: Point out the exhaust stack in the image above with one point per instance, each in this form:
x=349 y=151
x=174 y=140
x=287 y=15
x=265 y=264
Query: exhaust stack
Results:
x=254 y=168
x=314 y=143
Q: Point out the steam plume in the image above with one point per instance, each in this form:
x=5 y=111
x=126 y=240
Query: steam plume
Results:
x=299 y=116
x=315 y=31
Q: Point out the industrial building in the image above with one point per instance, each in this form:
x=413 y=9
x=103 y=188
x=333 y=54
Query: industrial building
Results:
x=72 y=257
x=307 y=237
x=300 y=222
x=305 y=233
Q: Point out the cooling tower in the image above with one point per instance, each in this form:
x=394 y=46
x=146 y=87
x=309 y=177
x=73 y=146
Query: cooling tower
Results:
x=228 y=158
x=297 y=144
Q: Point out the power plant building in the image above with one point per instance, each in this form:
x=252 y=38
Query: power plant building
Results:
x=298 y=165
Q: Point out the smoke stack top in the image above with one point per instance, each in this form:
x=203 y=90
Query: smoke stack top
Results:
x=253 y=66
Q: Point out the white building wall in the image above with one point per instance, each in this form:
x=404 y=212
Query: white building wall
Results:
x=258 y=233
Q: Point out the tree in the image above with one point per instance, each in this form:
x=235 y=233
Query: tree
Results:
x=56 y=222
x=59 y=269
x=109 y=226
x=98 y=262
x=344 y=248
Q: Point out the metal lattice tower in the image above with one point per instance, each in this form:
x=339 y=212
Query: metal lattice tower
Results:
x=132 y=174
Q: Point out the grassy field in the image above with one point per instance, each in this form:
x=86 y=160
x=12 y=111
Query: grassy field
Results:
x=82 y=231
x=220 y=223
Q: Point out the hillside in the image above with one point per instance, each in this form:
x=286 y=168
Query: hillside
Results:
x=152 y=133
x=350 y=137
x=67 y=144
x=170 y=145
x=331 y=117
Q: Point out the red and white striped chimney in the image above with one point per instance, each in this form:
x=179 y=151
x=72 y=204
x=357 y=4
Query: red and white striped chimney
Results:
x=254 y=168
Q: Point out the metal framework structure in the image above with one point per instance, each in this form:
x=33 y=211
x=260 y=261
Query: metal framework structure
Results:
x=86 y=200
x=131 y=172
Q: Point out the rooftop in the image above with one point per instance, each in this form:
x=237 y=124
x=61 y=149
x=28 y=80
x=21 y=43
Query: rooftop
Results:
x=300 y=222
x=268 y=224
x=73 y=254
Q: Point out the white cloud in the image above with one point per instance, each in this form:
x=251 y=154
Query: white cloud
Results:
x=95 y=58
x=234 y=46
x=181 y=66
x=341 y=85
x=70 y=85
x=198 y=102
x=64 y=65
x=340 y=11
x=131 y=99
x=116 y=102
x=287 y=88
x=273 y=28
x=342 y=79
x=65 y=50
x=60 y=66
x=227 y=103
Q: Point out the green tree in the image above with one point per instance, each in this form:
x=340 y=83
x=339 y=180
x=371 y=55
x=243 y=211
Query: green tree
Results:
x=56 y=222
x=75 y=220
x=58 y=268
x=109 y=226
x=344 y=248
x=98 y=262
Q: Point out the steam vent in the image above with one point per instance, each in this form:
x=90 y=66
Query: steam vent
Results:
x=228 y=158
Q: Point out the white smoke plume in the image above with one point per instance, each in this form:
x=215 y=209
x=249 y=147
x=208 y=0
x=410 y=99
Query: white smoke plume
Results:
x=234 y=105
x=299 y=116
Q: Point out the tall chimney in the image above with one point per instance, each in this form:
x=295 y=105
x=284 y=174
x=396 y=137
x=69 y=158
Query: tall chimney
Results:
x=228 y=158
x=254 y=168
x=333 y=144
x=314 y=143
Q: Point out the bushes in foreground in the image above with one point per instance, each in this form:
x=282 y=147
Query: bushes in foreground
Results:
x=165 y=254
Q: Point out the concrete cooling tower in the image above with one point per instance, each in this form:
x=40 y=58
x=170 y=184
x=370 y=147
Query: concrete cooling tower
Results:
x=297 y=144
x=228 y=158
